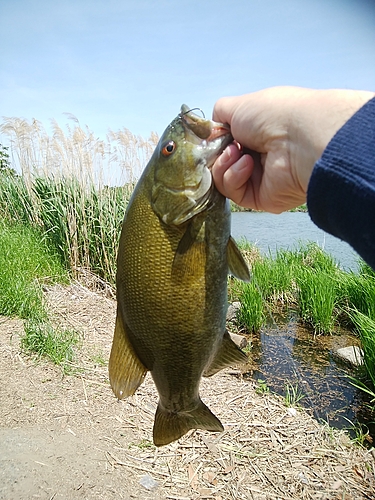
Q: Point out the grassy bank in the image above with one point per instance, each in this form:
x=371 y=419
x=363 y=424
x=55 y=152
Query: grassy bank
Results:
x=80 y=222
x=27 y=263
x=309 y=281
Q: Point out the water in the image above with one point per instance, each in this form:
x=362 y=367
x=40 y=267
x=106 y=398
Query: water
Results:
x=284 y=352
x=288 y=353
x=270 y=232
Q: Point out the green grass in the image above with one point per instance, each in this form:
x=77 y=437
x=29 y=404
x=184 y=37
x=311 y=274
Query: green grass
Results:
x=308 y=280
x=357 y=291
x=262 y=387
x=42 y=339
x=251 y=312
x=293 y=395
x=317 y=299
x=26 y=264
x=305 y=279
x=361 y=433
x=325 y=297
x=366 y=330
x=273 y=276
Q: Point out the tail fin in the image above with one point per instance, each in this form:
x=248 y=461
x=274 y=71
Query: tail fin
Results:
x=169 y=426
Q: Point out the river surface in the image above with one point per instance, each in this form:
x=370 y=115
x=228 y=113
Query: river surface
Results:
x=270 y=232
x=284 y=351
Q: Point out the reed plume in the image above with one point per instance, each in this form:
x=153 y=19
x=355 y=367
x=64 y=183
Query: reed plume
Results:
x=74 y=187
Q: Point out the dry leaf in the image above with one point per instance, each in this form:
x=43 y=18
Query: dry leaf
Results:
x=228 y=469
x=193 y=478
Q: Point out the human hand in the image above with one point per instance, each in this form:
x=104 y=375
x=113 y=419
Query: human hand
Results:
x=286 y=130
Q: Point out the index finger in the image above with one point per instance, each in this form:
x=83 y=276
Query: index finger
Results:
x=224 y=109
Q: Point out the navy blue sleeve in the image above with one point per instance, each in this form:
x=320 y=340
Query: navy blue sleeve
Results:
x=341 y=191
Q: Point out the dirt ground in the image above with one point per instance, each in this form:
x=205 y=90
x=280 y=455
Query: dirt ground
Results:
x=67 y=437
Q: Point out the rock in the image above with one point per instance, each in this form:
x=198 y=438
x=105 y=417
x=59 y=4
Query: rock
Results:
x=239 y=340
x=148 y=482
x=352 y=355
x=233 y=310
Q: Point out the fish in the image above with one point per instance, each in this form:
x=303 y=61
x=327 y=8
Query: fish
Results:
x=174 y=255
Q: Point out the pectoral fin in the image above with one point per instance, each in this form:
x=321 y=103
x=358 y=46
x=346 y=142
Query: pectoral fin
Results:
x=236 y=263
x=194 y=232
x=126 y=372
x=190 y=256
x=227 y=355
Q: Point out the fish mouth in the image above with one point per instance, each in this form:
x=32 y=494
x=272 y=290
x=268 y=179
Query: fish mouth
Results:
x=219 y=130
x=202 y=128
x=210 y=135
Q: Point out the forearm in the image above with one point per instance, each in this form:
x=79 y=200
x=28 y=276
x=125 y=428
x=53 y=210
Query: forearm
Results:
x=341 y=191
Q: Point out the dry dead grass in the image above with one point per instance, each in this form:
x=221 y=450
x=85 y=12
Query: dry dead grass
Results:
x=265 y=452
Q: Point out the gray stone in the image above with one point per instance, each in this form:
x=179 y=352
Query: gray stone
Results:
x=233 y=310
x=352 y=355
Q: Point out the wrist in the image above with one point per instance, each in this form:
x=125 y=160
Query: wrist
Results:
x=321 y=115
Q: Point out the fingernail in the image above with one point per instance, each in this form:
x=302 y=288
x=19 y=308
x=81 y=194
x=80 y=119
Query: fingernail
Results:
x=241 y=164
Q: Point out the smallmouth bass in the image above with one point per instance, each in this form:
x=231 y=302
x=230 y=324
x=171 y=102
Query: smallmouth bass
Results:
x=174 y=256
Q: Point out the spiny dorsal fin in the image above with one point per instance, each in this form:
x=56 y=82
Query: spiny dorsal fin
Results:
x=126 y=372
x=236 y=263
x=228 y=354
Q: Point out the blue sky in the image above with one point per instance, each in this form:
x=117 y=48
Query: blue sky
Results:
x=122 y=63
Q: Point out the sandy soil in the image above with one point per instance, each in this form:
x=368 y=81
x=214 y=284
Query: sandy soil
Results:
x=66 y=436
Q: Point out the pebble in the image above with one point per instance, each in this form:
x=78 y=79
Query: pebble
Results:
x=352 y=355
x=148 y=482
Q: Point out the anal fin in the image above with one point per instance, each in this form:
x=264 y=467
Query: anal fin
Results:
x=126 y=371
x=227 y=355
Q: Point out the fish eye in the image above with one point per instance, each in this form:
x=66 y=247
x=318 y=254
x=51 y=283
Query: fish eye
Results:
x=168 y=148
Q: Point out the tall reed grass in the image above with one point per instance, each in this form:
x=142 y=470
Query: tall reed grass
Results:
x=65 y=188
